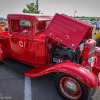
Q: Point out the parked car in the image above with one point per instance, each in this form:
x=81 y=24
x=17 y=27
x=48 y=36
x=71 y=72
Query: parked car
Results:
x=39 y=44
x=3 y=26
x=87 y=21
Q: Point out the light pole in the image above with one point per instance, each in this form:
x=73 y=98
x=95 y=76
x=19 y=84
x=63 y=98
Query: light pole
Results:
x=75 y=12
x=37 y=4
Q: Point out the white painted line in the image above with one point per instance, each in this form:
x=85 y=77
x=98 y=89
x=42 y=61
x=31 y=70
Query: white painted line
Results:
x=27 y=91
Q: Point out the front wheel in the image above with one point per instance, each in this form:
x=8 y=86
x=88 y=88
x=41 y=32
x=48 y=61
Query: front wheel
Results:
x=70 y=88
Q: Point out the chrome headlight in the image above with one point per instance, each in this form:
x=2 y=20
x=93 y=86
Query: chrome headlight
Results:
x=91 y=61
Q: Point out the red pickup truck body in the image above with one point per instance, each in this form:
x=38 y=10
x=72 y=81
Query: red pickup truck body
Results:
x=51 y=44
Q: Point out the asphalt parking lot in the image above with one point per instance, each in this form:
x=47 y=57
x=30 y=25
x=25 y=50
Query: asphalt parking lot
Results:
x=15 y=86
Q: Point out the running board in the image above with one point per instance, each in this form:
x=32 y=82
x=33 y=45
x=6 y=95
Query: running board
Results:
x=23 y=68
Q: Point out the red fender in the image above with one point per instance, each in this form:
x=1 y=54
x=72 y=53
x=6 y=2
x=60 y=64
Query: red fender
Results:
x=3 y=51
x=78 y=71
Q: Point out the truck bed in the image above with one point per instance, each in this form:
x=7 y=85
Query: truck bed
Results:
x=4 y=34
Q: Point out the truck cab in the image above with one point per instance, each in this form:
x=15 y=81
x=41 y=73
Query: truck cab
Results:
x=24 y=37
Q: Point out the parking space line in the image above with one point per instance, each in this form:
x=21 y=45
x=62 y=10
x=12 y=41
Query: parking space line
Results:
x=27 y=90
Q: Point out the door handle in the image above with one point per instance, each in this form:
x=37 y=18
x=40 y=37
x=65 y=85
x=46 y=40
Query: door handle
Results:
x=10 y=35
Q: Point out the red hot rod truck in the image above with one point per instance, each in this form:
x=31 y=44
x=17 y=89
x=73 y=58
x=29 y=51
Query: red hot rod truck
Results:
x=39 y=44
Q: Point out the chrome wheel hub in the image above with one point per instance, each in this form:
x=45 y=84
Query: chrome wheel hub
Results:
x=70 y=87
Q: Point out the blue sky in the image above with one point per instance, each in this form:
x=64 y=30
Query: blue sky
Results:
x=50 y=7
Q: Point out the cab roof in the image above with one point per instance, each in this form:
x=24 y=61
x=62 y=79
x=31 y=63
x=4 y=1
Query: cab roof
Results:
x=37 y=17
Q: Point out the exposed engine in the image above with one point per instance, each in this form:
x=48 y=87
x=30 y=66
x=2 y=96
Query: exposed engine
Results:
x=62 y=53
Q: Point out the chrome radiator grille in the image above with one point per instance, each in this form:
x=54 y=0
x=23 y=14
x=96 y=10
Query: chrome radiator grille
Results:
x=92 y=50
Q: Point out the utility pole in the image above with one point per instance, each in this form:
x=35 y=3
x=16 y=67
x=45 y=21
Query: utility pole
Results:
x=75 y=12
x=37 y=4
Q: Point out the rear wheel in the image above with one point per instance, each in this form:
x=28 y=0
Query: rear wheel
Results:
x=98 y=42
x=70 y=88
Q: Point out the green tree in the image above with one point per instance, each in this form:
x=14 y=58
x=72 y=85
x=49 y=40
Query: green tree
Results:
x=31 y=8
x=92 y=19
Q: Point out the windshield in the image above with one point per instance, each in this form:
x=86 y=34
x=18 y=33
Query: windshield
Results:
x=41 y=25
